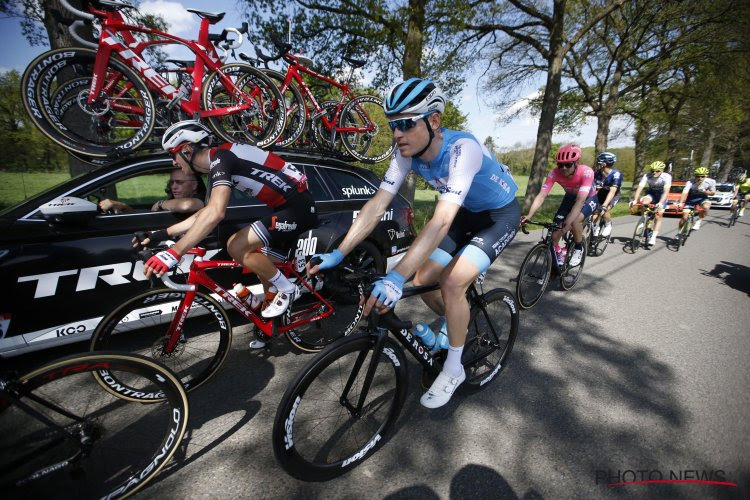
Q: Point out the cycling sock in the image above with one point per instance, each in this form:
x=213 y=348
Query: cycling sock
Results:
x=280 y=282
x=453 y=366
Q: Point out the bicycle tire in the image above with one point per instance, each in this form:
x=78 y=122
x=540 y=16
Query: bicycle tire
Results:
x=263 y=123
x=601 y=242
x=127 y=104
x=140 y=324
x=493 y=326
x=570 y=276
x=127 y=443
x=314 y=336
x=294 y=109
x=635 y=242
x=326 y=140
x=368 y=146
x=312 y=422
x=535 y=266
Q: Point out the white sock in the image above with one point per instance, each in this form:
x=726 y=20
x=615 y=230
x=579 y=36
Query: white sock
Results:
x=280 y=282
x=655 y=233
x=453 y=366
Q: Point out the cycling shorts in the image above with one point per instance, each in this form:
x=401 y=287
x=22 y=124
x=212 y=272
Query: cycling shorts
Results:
x=479 y=236
x=279 y=230
x=567 y=204
x=602 y=195
x=655 y=196
x=696 y=201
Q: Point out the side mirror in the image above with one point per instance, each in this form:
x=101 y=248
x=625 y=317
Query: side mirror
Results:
x=69 y=210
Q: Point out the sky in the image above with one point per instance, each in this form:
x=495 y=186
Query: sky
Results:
x=483 y=121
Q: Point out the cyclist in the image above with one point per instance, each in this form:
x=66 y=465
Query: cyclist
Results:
x=608 y=181
x=259 y=173
x=474 y=220
x=657 y=184
x=742 y=193
x=578 y=203
x=696 y=193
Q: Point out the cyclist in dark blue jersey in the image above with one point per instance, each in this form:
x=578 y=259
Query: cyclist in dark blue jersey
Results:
x=608 y=182
x=474 y=220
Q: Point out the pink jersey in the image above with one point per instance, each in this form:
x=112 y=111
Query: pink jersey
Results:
x=581 y=181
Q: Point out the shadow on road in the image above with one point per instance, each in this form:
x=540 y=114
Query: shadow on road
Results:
x=733 y=275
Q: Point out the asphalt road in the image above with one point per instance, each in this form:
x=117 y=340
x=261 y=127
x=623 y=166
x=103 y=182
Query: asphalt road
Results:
x=640 y=372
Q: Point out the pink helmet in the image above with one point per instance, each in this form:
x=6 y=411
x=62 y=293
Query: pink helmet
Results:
x=568 y=153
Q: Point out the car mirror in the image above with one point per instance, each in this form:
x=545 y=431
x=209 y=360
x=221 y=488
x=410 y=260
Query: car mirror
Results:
x=68 y=210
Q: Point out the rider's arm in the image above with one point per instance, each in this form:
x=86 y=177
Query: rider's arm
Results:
x=665 y=193
x=610 y=196
x=179 y=205
x=203 y=222
x=428 y=239
x=685 y=191
x=711 y=189
x=638 y=190
x=541 y=196
x=366 y=220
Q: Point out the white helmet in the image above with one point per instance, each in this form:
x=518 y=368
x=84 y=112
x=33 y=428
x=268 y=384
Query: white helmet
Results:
x=415 y=95
x=187 y=131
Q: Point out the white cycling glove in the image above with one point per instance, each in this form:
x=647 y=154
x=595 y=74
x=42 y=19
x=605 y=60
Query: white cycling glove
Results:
x=389 y=289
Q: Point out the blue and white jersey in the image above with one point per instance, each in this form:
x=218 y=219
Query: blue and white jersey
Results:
x=613 y=179
x=464 y=171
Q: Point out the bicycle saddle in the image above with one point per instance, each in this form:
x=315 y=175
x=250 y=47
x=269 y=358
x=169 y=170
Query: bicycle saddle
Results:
x=116 y=4
x=357 y=63
x=212 y=17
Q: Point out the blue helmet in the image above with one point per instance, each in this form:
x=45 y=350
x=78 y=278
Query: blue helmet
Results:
x=606 y=157
x=415 y=95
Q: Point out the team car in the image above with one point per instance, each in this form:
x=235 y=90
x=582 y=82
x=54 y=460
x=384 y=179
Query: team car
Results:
x=723 y=196
x=64 y=264
x=673 y=198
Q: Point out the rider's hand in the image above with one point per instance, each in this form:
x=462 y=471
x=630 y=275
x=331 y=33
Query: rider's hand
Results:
x=386 y=293
x=631 y=203
x=152 y=237
x=524 y=219
x=161 y=263
x=329 y=260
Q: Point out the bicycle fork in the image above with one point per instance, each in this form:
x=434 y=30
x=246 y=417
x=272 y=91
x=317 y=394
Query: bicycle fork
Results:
x=356 y=411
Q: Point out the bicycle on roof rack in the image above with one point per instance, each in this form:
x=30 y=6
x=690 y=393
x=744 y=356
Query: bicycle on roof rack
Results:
x=98 y=101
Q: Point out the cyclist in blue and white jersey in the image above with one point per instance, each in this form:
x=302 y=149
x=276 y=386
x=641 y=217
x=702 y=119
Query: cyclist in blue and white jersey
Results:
x=657 y=185
x=608 y=182
x=696 y=193
x=474 y=220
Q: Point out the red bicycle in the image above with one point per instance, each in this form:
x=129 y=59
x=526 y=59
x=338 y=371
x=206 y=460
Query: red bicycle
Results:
x=99 y=104
x=356 y=123
x=198 y=328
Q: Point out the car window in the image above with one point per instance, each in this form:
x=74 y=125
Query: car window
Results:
x=349 y=186
x=676 y=189
x=315 y=183
x=725 y=188
x=138 y=192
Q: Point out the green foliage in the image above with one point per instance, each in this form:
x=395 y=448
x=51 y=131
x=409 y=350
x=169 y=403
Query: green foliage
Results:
x=25 y=147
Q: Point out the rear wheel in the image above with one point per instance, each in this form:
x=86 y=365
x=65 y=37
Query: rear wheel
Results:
x=105 y=445
x=640 y=228
x=141 y=325
x=317 y=434
x=493 y=326
x=364 y=130
x=570 y=275
x=534 y=275
x=295 y=109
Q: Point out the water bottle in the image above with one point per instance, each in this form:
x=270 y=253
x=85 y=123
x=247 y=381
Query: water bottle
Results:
x=425 y=333
x=243 y=293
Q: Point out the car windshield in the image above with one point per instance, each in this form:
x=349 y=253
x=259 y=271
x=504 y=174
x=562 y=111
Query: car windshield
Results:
x=725 y=188
x=676 y=189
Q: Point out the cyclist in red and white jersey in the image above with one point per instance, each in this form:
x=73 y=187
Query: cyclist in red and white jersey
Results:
x=259 y=173
x=579 y=202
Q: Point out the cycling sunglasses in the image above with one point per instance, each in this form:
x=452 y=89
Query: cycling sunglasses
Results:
x=404 y=124
x=566 y=165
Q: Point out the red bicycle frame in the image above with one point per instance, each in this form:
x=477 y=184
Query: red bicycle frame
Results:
x=197 y=276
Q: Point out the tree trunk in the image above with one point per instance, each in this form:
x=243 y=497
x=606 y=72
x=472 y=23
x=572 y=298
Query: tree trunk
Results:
x=604 y=117
x=641 y=140
x=550 y=101
x=727 y=165
x=709 y=151
x=602 y=131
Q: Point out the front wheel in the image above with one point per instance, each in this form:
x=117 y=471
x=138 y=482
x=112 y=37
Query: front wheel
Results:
x=570 y=275
x=534 y=275
x=364 y=130
x=142 y=325
x=318 y=433
x=493 y=326
x=94 y=443
x=638 y=232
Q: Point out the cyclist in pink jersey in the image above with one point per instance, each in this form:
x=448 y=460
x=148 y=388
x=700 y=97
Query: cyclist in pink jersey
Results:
x=579 y=202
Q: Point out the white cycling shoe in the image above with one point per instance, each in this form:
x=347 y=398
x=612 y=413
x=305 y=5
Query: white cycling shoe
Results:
x=607 y=230
x=441 y=390
x=576 y=257
x=697 y=225
x=278 y=305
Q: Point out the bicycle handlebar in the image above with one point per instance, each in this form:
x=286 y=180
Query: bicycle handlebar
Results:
x=76 y=12
x=72 y=30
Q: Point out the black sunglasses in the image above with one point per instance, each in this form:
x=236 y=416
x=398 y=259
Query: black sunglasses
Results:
x=566 y=165
x=405 y=124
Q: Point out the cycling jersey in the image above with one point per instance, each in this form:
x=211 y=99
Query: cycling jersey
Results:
x=259 y=173
x=614 y=178
x=696 y=191
x=581 y=181
x=464 y=172
x=655 y=185
x=744 y=188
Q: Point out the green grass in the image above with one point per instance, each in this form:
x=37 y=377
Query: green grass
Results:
x=16 y=186
x=424 y=202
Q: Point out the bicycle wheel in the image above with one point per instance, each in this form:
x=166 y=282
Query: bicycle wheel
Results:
x=295 y=109
x=121 y=119
x=569 y=277
x=328 y=141
x=493 y=326
x=263 y=123
x=600 y=242
x=534 y=275
x=105 y=445
x=314 y=336
x=638 y=232
x=364 y=130
x=316 y=435
x=140 y=326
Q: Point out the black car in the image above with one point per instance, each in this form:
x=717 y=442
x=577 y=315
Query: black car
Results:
x=61 y=274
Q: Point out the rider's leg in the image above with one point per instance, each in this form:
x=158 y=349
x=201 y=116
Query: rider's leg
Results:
x=658 y=221
x=428 y=274
x=706 y=208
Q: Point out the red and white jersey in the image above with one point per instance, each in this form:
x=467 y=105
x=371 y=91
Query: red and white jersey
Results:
x=259 y=173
